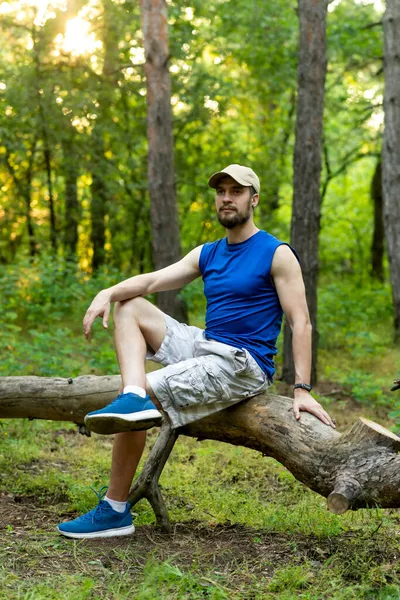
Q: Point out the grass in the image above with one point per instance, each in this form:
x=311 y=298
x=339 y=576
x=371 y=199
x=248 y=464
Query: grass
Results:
x=243 y=527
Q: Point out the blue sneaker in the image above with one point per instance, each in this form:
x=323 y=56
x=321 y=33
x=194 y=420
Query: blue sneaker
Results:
x=128 y=412
x=102 y=521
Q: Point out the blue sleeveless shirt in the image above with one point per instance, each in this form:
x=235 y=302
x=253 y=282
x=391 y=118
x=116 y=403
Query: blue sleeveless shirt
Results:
x=243 y=308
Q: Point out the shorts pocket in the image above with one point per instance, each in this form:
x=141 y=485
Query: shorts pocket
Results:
x=187 y=388
x=196 y=385
x=221 y=391
x=241 y=363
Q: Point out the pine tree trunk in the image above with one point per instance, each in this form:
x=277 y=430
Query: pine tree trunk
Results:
x=45 y=139
x=391 y=151
x=160 y=168
x=72 y=209
x=52 y=210
x=378 y=238
x=24 y=187
x=99 y=193
x=307 y=161
x=100 y=164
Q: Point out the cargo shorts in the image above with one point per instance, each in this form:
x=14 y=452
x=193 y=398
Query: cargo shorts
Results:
x=200 y=376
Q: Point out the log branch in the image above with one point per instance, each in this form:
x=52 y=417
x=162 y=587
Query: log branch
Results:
x=345 y=493
x=147 y=486
x=358 y=469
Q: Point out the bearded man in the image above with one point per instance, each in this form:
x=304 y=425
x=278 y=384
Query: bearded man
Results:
x=250 y=279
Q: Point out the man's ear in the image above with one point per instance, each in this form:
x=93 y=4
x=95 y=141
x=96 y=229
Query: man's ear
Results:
x=255 y=199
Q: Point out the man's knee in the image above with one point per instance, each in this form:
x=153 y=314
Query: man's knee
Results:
x=133 y=307
x=149 y=319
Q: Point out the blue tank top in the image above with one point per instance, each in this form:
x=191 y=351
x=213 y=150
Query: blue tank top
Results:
x=243 y=308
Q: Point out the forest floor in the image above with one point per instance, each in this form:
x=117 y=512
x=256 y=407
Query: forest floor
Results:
x=243 y=527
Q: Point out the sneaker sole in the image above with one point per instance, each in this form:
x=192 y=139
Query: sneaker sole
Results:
x=99 y=534
x=115 y=423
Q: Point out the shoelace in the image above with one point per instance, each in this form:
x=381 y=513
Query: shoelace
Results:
x=95 y=513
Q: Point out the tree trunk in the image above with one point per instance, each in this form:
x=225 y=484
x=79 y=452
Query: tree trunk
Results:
x=24 y=187
x=391 y=151
x=45 y=138
x=378 y=238
x=100 y=164
x=160 y=166
x=99 y=193
x=358 y=469
x=72 y=209
x=47 y=158
x=307 y=163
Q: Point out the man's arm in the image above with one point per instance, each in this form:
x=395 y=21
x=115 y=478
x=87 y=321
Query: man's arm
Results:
x=289 y=285
x=172 y=277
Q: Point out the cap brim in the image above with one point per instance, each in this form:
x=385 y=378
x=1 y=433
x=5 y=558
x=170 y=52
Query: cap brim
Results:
x=215 y=178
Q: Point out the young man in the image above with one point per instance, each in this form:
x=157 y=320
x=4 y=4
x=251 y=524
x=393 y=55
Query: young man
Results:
x=250 y=277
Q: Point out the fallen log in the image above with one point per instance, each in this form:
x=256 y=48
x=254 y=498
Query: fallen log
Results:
x=357 y=469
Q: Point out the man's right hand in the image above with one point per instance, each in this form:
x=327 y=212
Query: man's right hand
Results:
x=100 y=307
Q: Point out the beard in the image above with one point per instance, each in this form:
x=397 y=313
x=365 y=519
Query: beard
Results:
x=231 y=220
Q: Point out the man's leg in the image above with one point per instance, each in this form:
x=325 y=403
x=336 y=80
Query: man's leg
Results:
x=127 y=451
x=137 y=324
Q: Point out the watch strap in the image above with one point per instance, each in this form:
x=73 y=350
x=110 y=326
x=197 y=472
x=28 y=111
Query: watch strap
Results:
x=302 y=386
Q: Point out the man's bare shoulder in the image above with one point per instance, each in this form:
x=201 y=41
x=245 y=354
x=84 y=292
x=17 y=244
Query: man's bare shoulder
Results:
x=284 y=260
x=193 y=257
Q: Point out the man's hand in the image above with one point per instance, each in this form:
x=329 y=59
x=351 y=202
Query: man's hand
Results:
x=100 y=307
x=304 y=401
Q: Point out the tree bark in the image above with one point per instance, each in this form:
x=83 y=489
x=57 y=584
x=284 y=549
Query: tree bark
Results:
x=391 y=151
x=307 y=162
x=44 y=128
x=100 y=169
x=24 y=187
x=378 y=238
x=99 y=195
x=72 y=209
x=358 y=469
x=160 y=167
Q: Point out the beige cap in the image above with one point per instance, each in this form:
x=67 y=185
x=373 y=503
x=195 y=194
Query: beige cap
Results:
x=243 y=175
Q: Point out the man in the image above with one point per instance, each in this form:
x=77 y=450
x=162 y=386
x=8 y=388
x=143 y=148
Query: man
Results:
x=249 y=278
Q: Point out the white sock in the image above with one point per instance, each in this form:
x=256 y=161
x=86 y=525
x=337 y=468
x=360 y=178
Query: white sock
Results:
x=134 y=389
x=116 y=505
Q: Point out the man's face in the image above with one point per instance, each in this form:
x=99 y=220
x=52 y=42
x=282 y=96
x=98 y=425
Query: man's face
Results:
x=233 y=202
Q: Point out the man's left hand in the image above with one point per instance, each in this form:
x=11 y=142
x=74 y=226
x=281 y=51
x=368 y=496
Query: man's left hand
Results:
x=304 y=401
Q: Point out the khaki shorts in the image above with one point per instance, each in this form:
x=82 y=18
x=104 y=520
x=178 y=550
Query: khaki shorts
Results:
x=201 y=376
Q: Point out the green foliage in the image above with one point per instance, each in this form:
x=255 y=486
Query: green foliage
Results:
x=42 y=304
x=365 y=388
x=233 y=70
x=355 y=338
x=355 y=317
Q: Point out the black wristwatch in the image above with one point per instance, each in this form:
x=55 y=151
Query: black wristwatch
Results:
x=302 y=386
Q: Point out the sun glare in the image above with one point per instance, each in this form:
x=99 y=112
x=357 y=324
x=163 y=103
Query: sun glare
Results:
x=77 y=39
x=43 y=9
